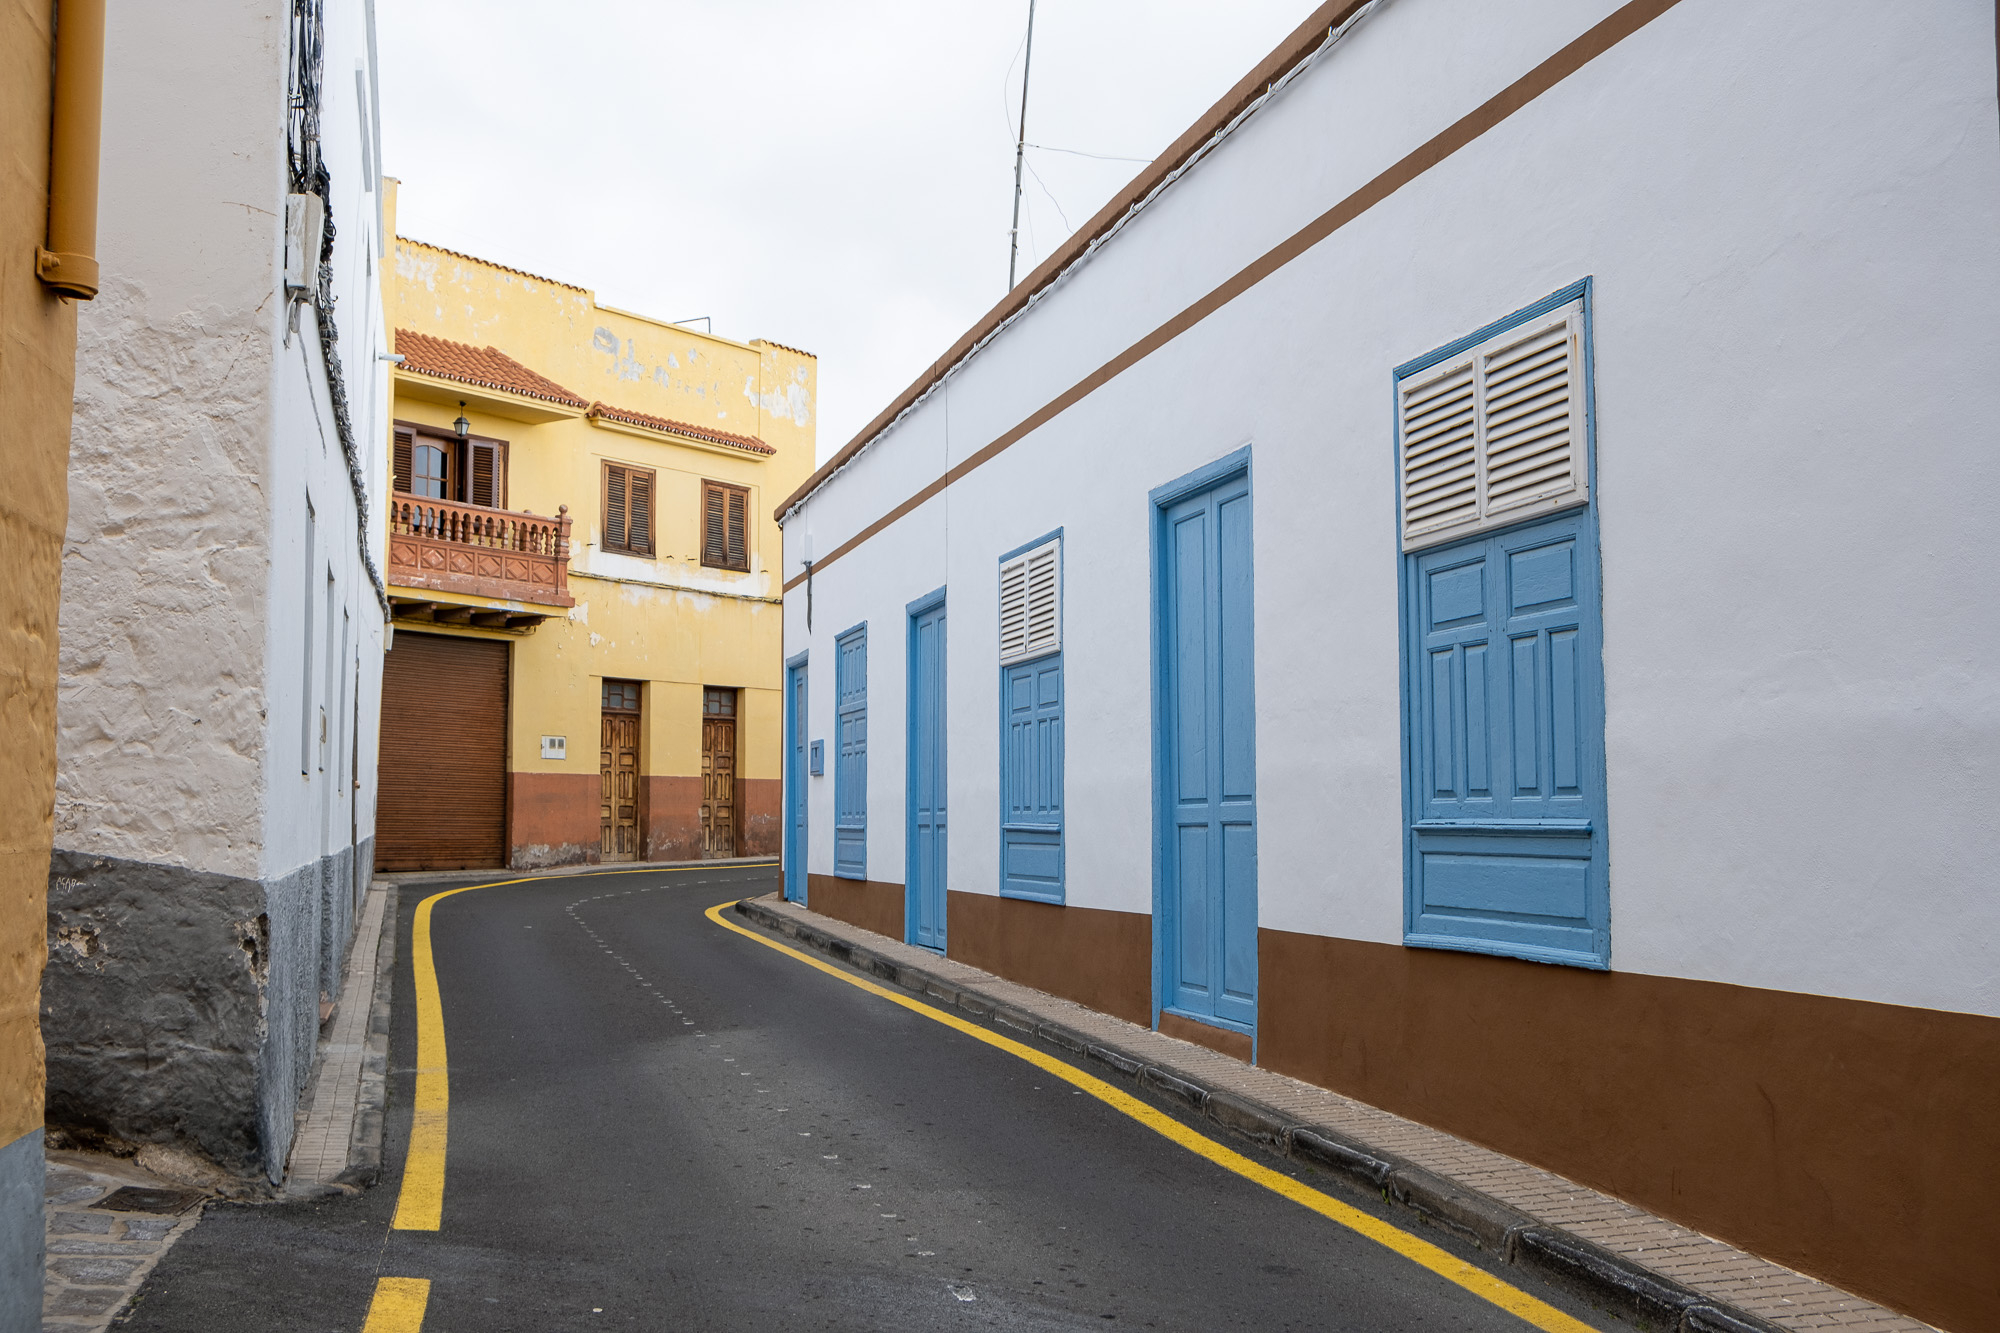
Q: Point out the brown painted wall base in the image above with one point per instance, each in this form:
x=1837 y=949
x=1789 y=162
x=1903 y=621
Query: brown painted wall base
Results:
x=1857 y=1142
x=866 y=903
x=760 y=806
x=552 y=819
x=671 y=822
x=1097 y=958
x=1235 y=1044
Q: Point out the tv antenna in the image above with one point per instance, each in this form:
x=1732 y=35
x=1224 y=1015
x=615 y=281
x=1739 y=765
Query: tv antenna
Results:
x=1020 y=152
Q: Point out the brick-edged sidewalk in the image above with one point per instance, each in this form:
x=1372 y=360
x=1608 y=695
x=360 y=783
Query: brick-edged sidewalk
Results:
x=339 y=1139
x=1621 y=1257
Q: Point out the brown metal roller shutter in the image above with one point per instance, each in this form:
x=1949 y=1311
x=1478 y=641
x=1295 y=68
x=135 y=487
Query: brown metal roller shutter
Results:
x=443 y=776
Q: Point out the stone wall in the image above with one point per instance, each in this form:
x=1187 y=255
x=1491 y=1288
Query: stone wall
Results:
x=182 y=1007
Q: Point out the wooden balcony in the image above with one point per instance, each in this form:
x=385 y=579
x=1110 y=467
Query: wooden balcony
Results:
x=444 y=547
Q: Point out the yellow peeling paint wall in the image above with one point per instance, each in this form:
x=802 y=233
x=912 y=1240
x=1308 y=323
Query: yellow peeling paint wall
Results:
x=668 y=622
x=37 y=372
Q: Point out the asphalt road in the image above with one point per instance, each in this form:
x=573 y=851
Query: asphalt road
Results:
x=656 y=1124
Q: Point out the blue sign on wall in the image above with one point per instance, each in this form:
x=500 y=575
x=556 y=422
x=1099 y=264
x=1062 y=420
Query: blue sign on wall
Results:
x=817 y=762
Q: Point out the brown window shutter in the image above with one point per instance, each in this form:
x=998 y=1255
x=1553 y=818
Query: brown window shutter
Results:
x=714 y=526
x=406 y=440
x=640 y=491
x=614 y=507
x=739 y=555
x=483 y=476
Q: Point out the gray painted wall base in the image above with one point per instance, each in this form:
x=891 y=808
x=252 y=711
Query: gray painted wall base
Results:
x=21 y=1232
x=181 y=1008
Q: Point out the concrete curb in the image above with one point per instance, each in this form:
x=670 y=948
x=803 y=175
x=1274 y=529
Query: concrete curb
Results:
x=1566 y=1260
x=364 y=1143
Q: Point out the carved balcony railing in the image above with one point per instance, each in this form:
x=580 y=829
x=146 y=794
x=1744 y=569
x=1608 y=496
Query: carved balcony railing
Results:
x=515 y=556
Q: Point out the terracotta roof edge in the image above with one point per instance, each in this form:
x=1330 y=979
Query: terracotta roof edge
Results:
x=783 y=347
x=561 y=395
x=668 y=426
x=504 y=268
x=1293 y=51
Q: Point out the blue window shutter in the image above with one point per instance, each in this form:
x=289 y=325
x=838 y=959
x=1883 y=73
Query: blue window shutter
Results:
x=1504 y=694
x=1031 y=851
x=850 y=764
x=1506 y=732
x=1031 y=724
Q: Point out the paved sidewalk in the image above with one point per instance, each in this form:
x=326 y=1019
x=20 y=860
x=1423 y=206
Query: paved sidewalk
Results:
x=339 y=1142
x=99 y=1256
x=1642 y=1266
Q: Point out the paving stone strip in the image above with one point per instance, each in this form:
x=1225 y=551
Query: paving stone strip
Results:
x=99 y=1256
x=1618 y=1256
x=338 y=1145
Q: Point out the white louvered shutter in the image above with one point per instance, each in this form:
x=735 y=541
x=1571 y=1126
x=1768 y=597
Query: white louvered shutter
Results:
x=1496 y=434
x=1031 y=603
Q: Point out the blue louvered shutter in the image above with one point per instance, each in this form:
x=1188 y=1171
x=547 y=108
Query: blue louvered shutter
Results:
x=850 y=763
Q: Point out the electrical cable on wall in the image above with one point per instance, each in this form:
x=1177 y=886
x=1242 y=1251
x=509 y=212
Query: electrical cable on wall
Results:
x=309 y=176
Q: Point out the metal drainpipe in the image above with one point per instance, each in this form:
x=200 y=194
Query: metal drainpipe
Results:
x=69 y=264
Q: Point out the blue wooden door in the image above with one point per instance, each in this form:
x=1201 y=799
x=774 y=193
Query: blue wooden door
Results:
x=850 y=761
x=1208 y=715
x=795 y=783
x=1507 y=746
x=924 y=909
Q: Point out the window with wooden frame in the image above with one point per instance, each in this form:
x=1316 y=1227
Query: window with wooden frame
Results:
x=628 y=509
x=725 y=526
x=440 y=466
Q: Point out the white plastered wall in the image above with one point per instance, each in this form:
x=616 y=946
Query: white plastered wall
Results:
x=321 y=810
x=197 y=435
x=1785 y=212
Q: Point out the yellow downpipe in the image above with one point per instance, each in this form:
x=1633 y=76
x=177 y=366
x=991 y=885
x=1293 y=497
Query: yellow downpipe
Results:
x=69 y=264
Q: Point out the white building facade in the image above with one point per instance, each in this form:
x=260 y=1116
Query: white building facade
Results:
x=1469 y=584
x=223 y=618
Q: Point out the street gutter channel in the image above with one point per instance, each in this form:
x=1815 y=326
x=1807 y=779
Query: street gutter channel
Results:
x=1607 y=1280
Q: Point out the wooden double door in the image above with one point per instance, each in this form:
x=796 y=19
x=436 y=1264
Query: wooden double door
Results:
x=718 y=773
x=619 y=782
x=618 y=773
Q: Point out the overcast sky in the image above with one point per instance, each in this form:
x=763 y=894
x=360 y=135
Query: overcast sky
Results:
x=834 y=176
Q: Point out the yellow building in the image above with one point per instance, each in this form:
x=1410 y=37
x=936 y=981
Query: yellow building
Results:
x=580 y=549
x=48 y=229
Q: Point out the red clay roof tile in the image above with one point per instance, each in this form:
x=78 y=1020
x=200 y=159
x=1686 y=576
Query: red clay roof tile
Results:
x=488 y=367
x=708 y=433
x=518 y=272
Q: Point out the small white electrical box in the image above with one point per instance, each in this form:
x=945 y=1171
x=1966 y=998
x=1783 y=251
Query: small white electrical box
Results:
x=555 y=747
x=305 y=223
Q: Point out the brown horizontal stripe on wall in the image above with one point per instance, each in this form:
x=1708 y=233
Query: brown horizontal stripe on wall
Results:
x=760 y=812
x=1097 y=958
x=1236 y=1044
x=1614 y=29
x=670 y=819
x=869 y=904
x=552 y=819
x=1857 y=1142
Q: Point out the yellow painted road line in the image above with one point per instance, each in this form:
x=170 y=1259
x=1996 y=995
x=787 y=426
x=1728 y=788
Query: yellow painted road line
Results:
x=1419 y=1251
x=420 y=1204
x=398 y=1306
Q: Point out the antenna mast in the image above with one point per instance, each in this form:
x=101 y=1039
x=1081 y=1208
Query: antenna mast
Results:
x=1020 y=151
